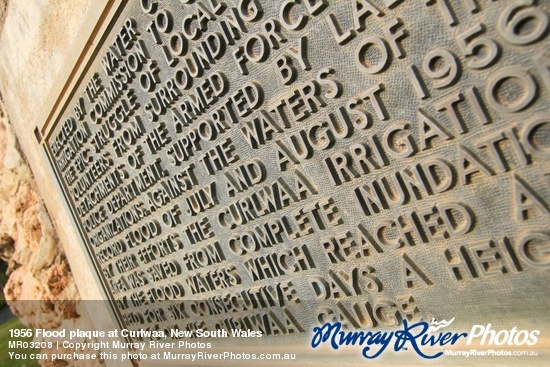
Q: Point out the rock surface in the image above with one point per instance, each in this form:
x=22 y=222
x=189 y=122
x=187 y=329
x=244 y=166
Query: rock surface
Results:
x=40 y=42
x=40 y=290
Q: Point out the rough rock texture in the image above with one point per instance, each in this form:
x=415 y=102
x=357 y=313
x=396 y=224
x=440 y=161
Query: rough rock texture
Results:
x=40 y=42
x=3 y=11
x=40 y=290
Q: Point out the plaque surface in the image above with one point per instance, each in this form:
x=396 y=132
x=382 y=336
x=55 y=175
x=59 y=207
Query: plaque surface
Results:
x=277 y=165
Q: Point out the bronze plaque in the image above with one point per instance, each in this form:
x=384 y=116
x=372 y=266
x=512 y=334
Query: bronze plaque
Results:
x=272 y=166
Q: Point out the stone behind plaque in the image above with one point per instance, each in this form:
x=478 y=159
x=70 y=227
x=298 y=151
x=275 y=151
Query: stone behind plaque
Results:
x=276 y=165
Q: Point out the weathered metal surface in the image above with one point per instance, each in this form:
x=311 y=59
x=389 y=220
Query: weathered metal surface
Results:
x=284 y=164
